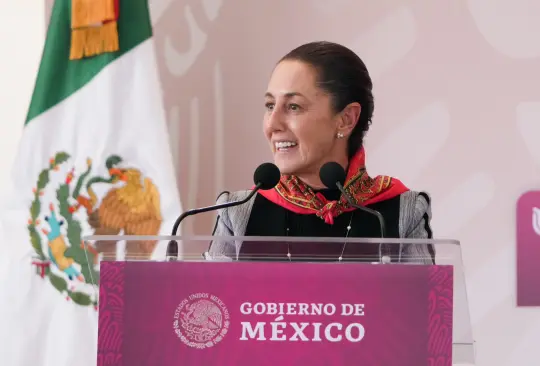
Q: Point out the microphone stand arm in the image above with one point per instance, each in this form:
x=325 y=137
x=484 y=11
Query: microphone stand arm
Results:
x=172 y=246
x=368 y=210
x=384 y=258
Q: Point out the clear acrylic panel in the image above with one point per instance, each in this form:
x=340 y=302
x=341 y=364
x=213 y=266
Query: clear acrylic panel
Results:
x=374 y=251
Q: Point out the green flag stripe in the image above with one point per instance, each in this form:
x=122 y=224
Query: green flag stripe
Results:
x=58 y=76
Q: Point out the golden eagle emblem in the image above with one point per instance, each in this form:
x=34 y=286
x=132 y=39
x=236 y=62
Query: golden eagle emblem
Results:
x=130 y=206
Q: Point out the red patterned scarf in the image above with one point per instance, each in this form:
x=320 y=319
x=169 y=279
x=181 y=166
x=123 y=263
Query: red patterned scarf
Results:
x=296 y=196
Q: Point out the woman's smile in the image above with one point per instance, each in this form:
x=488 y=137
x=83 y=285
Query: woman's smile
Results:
x=285 y=146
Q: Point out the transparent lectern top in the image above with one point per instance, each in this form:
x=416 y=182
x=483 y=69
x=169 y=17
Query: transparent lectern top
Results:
x=295 y=249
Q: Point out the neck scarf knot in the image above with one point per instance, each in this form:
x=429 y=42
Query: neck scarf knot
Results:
x=296 y=196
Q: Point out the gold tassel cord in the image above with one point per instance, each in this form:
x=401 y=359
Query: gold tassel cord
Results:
x=91 y=41
x=86 y=13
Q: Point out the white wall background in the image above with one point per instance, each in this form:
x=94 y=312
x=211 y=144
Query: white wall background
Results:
x=22 y=33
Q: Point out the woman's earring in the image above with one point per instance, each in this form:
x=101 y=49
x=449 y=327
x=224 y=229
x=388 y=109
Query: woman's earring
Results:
x=340 y=135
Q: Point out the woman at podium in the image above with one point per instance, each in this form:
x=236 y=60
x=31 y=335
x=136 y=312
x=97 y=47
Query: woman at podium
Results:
x=318 y=109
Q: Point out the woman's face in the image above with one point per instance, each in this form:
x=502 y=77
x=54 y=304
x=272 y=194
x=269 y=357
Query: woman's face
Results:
x=299 y=121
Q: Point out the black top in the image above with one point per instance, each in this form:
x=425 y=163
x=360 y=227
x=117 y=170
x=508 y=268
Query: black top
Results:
x=269 y=219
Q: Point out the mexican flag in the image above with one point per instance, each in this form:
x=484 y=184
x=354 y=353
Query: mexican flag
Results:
x=94 y=159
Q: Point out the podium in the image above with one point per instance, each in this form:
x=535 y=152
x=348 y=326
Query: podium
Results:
x=281 y=301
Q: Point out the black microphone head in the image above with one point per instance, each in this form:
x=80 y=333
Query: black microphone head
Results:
x=266 y=175
x=172 y=250
x=331 y=174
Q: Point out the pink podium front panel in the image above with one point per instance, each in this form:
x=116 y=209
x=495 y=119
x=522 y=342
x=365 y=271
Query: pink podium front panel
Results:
x=257 y=313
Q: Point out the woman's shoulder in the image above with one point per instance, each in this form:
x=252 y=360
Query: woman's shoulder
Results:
x=235 y=217
x=415 y=213
x=417 y=199
x=226 y=196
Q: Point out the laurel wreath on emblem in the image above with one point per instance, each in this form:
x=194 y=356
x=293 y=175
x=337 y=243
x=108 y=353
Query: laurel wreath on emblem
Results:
x=134 y=209
x=202 y=321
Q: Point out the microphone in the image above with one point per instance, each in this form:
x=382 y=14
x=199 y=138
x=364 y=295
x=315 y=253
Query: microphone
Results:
x=333 y=175
x=266 y=177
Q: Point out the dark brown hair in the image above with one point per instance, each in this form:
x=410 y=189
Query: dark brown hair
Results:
x=344 y=76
